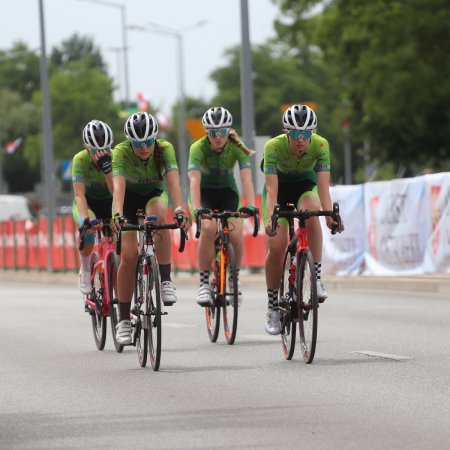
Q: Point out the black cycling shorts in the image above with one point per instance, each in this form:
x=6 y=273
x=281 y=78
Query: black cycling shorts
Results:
x=289 y=193
x=102 y=208
x=222 y=199
x=133 y=202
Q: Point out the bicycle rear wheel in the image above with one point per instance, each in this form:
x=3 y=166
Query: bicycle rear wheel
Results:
x=287 y=303
x=307 y=305
x=212 y=313
x=114 y=305
x=153 y=308
x=98 y=319
x=230 y=309
x=140 y=319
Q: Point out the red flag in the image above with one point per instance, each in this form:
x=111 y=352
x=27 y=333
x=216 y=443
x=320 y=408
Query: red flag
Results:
x=12 y=146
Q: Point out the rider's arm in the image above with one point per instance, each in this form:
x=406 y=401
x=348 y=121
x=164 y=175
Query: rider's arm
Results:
x=271 y=192
x=80 y=199
x=195 y=177
x=109 y=182
x=173 y=185
x=118 y=194
x=247 y=186
x=323 y=188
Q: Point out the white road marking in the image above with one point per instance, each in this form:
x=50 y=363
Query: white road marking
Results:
x=382 y=355
x=177 y=325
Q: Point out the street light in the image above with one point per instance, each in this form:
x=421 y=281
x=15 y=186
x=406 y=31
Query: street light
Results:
x=182 y=138
x=124 y=41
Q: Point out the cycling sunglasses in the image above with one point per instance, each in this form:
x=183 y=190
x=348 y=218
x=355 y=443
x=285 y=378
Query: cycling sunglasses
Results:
x=138 y=144
x=218 y=131
x=93 y=151
x=304 y=134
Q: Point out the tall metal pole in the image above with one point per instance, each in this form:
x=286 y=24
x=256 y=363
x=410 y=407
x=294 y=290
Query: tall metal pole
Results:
x=125 y=54
x=47 y=140
x=347 y=154
x=247 y=111
x=182 y=138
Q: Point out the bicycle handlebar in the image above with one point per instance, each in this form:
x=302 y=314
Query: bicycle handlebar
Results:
x=226 y=215
x=150 y=226
x=305 y=214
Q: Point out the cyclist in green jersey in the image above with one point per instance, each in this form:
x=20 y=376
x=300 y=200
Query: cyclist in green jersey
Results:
x=92 y=187
x=297 y=172
x=212 y=185
x=144 y=170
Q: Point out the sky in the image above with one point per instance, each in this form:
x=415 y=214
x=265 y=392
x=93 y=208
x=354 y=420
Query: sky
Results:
x=153 y=60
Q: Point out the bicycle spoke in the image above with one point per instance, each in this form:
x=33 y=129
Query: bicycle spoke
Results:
x=230 y=310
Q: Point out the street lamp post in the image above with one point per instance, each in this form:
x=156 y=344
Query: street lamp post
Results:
x=182 y=136
x=124 y=42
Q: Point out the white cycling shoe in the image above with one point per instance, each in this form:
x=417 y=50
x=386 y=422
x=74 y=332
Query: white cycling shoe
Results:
x=123 y=332
x=84 y=282
x=272 y=325
x=204 y=297
x=168 y=293
x=322 y=293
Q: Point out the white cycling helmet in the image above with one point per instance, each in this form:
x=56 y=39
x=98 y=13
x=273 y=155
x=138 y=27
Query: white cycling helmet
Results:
x=98 y=135
x=217 y=117
x=140 y=127
x=299 y=117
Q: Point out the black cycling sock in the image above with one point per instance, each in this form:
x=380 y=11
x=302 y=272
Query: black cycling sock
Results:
x=204 y=277
x=273 y=298
x=124 y=311
x=318 y=269
x=164 y=272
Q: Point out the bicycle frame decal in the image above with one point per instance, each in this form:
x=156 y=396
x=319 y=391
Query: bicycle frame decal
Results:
x=302 y=239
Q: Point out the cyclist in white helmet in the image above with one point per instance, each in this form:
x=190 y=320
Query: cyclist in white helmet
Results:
x=145 y=171
x=212 y=185
x=92 y=187
x=296 y=168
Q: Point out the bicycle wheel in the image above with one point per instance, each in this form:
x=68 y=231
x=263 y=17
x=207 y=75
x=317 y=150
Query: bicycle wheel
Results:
x=139 y=314
x=113 y=306
x=98 y=319
x=212 y=312
x=153 y=308
x=287 y=304
x=230 y=309
x=307 y=305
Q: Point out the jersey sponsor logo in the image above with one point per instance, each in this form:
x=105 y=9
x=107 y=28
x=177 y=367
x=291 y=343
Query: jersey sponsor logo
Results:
x=322 y=167
x=270 y=170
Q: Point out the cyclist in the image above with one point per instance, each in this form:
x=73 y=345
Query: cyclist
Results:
x=297 y=172
x=92 y=187
x=144 y=169
x=212 y=185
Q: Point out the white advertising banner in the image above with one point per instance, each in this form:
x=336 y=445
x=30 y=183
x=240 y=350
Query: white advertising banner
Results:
x=437 y=256
x=397 y=226
x=343 y=253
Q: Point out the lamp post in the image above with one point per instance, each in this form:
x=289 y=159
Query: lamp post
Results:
x=124 y=42
x=182 y=137
x=47 y=141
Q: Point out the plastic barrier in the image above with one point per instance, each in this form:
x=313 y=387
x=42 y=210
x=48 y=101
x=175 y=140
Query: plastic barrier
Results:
x=32 y=245
x=9 y=245
x=43 y=243
x=70 y=246
x=20 y=244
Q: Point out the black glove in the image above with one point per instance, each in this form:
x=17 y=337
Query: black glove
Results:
x=104 y=163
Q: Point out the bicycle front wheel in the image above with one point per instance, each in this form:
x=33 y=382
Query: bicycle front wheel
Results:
x=287 y=304
x=98 y=319
x=113 y=301
x=307 y=305
x=230 y=286
x=139 y=315
x=212 y=313
x=153 y=308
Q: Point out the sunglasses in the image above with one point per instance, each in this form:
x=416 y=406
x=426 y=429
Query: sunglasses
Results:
x=218 y=132
x=93 y=151
x=138 y=144
x=304 y=134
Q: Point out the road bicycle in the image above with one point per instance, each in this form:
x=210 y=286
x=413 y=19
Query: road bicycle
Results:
x=102 y=302
x=147 y=309
x=224 y=284
x=298 y=300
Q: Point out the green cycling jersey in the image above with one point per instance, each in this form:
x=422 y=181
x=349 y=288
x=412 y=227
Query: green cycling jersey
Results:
x=86 y=172
x=280 y=160
x=217 y=168
x=142 y=177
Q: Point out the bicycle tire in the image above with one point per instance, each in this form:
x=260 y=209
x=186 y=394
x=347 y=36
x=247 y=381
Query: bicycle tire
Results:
x=140 y=317
x=307 y=305
x=287 y=304
x=154 y=313
x=212 y=313
x=98 y=318
x=231 y=305
x=114 y=305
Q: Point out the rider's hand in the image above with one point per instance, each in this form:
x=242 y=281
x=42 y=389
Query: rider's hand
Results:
x=117 y=222
x=331 y=223
x=103 y=161
x=269 y=231
x=245 y=214
x=203 y=215
x=181 y=218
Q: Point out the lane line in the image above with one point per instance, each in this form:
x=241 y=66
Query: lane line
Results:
x=382 y=355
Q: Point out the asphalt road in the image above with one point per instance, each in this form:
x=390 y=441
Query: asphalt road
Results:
x=57 y=391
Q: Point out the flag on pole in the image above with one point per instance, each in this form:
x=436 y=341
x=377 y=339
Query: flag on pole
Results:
x=12 y=146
